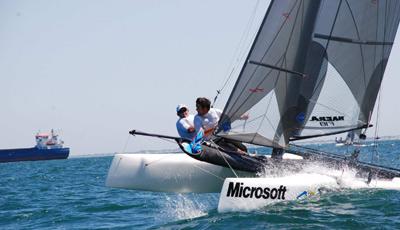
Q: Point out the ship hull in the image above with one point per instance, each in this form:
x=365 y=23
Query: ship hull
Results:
x=32 y=154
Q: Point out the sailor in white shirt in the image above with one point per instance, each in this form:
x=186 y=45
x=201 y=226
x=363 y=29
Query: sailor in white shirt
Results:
x=185 y=125
x=206 y=118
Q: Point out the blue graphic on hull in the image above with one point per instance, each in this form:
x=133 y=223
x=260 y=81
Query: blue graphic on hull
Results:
x=305 y=193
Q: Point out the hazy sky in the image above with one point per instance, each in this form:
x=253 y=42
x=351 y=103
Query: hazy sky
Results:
x=96 y=69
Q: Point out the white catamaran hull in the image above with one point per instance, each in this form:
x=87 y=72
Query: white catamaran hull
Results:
x=169 y=173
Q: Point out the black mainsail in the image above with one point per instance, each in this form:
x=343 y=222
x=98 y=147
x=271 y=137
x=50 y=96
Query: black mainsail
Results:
x=268 y=85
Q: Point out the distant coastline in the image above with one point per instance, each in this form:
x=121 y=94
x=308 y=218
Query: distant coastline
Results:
x=177 y=150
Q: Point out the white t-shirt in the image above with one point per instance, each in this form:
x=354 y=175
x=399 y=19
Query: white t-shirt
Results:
x=208 y=121
x=182 y=126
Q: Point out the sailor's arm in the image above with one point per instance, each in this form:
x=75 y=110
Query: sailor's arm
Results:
x=244 y=116
x=187 y=126
x=197 y=124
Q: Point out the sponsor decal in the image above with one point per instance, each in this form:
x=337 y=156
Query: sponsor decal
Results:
x=237 y=189
x=301 y=195
x=327 y=120
x=226 y=126
x=286 y=15
x=256 y=90
x=300 y=117
x=305 y=194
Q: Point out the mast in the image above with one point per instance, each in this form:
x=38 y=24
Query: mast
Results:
x=287 y=90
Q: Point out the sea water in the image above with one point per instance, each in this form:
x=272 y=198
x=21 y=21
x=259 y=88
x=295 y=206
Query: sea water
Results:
x=70 y=194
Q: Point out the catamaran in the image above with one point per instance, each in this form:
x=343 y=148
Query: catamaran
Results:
x=314 y=69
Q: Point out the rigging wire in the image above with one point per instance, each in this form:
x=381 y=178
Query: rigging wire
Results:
x=239 y=51
x=155 y=161
x=225 y=160
x=126 y=144
x=209 y=172
x=167 y=140
x=375 y=147
x=375 y=153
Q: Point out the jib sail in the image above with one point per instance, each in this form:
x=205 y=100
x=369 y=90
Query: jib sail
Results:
x=354 y=39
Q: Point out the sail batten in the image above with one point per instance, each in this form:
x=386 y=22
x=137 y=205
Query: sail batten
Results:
x=350 y=40
x=296 y=138
x=277 y=68
x=251 y=138
x=335 y=127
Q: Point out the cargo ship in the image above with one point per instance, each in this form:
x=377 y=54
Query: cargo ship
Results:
x=48 y=147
